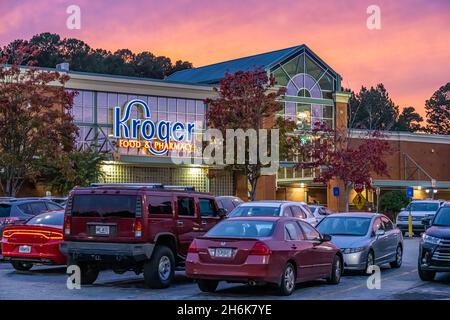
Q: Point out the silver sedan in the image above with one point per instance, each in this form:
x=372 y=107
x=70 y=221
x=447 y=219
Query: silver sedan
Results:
x=365 y=239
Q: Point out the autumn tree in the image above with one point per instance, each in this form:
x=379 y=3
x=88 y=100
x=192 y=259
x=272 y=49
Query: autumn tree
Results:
x=248 y=100
x=35 y=121
x=78 y=168
x=438 y=111
x=333 y=154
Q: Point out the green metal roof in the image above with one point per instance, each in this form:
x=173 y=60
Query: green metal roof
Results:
x=212 y=74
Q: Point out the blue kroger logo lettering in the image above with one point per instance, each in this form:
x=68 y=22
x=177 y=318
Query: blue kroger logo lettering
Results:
x=145 y=129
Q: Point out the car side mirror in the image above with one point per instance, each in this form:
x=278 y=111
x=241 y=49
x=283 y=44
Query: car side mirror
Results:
x=380 y=232
x=326 y=237
x=222 y=213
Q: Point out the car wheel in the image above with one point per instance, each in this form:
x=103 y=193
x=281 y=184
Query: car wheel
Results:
x=207 y=285
x=160 y=269
x=370 y=262
x=336 y=271
x=398 y=258
x=89 y=273
x=21 y=266
x=288 y=280
x=425 y=275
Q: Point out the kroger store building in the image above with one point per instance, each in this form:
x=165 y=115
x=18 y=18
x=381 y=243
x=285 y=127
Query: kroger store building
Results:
x=312 y=93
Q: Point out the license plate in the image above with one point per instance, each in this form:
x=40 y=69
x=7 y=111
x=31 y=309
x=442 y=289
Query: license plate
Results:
x=24 y=249
x=102 y=230
x=223 y=253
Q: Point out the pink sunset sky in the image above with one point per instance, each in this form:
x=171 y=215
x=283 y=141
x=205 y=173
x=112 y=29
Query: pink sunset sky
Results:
x=410 y=54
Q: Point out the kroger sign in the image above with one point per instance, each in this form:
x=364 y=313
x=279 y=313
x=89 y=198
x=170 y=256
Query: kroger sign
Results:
x=158 y=137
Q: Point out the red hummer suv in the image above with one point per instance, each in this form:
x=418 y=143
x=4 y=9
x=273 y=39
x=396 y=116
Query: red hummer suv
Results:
x=145 y=228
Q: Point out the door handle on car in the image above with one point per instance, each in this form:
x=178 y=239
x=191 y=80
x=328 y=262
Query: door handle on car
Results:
x=179 y=223
x=203 y=223
x=294 y=247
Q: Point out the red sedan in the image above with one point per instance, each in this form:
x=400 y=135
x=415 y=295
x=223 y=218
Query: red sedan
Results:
x=35 y=242
x=273 y=250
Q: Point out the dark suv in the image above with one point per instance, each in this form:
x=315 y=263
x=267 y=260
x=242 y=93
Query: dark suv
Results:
x=145 y=228
x=16 y=210
x=434 y=254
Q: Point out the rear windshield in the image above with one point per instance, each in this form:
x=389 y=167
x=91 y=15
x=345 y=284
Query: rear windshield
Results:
x=255 y=211
x=5 y=210
x=422 y=206
x=104 y=205
x=55 y=218
x=242 y=229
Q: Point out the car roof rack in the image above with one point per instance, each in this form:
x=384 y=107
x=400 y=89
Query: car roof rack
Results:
x=134 y=185
x=143 y=185
x=182 y=188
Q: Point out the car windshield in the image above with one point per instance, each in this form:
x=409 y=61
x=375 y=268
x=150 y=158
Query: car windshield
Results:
x=255 y=211
x=55 y=218
x=442 y=218
x=422 y=206
x=5 y=210
x=121 y=206
x=242 y=229
x=344 y=226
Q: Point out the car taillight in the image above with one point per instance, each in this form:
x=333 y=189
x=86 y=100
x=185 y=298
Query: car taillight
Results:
x=138 y=229
x=260 y=249
x=67 y=225
x=193 y=247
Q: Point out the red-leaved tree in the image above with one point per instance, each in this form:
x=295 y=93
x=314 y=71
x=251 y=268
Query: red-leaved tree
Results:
x=36 y=126
x=249 y=100
x=333 y=154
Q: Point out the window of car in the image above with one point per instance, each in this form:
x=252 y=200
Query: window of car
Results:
x=388 y=225
x=442 y=218
x=47 y=219
x=377 y=225
x=38 y=207
x=104 y=205
x=25 y=208
x=344 y=226
x=298 y=212
x=422 y=206
x=292 y=232
x=287 y=212
x=5 y=210
x=227 y=204
x=255 y=211
x=309 y=232
x=242 y=228
x=159 y=205
x=186 y=206
x=53 y=207
x=207 y=207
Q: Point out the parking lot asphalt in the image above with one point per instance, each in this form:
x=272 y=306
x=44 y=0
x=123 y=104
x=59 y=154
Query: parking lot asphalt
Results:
x=49 y=283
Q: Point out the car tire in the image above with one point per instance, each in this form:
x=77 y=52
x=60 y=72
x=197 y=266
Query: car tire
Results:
x=369 y=262
x=21 y=266
x=425 y=275
x=207 y=285
x=288 y=280
x=89 y=273
x=398 y=258
x=336 y=271
x=160 y=269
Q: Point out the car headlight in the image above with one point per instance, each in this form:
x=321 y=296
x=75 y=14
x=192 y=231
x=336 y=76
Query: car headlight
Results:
x=353 y=250
x=429 y=239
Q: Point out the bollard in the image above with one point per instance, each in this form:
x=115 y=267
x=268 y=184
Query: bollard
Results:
x=410 y=225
